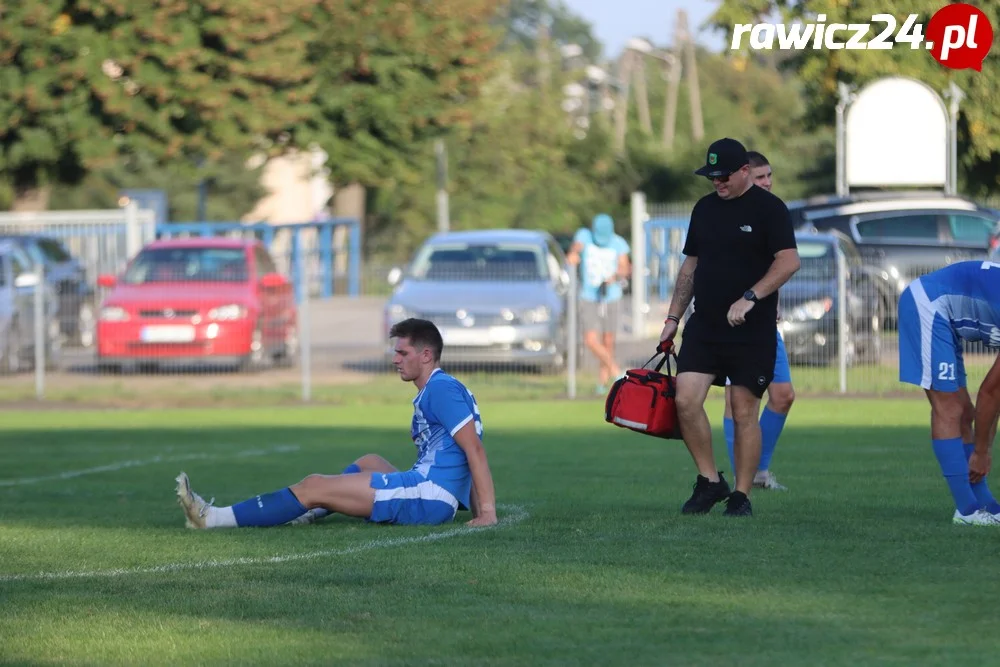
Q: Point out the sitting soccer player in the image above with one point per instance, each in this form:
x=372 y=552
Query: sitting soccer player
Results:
x=937 y=312
x=451 y=467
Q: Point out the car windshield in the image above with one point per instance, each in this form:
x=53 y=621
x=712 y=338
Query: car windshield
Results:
x=817 y=261
x=492 y=262
x=166 y=265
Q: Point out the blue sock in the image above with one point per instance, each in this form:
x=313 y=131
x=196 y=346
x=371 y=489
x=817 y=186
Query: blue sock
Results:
x=354 y=467
x=272 y=509
x=955 y=468
x=729 y=429
x=982 y=489
x=771 y=424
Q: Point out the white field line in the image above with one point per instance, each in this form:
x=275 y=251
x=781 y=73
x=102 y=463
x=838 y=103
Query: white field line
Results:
x=512 y=514
x=138 y=463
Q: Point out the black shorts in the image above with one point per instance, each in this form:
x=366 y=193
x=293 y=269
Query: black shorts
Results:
x=749 y=365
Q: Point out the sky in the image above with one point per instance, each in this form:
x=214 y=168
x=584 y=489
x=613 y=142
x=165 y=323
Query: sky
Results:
x=616 y=21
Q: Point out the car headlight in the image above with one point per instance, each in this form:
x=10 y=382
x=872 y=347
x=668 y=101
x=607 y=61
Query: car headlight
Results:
x=811 y=310
x=230 y=311
x=536 y=315
x=113 y=314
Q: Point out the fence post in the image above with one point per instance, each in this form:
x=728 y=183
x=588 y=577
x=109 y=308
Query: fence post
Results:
x=354 y=260
x=305 y=335
x=40 y=333
x=639 y=218
x=842 y=325
x=133 y=233
x=571 y=334
x=326 y=260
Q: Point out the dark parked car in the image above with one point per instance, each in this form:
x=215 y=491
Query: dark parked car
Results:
x=905 y=235
x=809 y=303
x=68 y=277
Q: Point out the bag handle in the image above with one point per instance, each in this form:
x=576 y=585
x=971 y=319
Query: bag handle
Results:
x=666 y=348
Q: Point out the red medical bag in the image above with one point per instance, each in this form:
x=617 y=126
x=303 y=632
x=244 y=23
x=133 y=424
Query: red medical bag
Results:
x=644 y=399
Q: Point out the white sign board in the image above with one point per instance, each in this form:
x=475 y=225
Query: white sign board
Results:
x=896 y=135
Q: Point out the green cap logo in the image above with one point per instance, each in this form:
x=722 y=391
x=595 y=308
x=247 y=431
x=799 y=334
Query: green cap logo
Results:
x=712 y=158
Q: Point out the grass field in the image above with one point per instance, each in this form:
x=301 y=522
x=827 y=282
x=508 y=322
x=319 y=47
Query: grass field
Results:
x=858 y=564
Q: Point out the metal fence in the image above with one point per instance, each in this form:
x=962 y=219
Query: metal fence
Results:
x=838 y=313
x=517 y=332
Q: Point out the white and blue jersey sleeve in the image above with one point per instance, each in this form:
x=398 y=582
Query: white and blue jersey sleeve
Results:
x=940 y=310
x=441 y=409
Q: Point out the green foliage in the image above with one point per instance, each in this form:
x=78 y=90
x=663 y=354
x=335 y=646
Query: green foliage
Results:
x=232 y=188
x=518 y=164
x=524 y=18
x=741 y=99
x=84 y=83
x=389 y=76
x=820 y=70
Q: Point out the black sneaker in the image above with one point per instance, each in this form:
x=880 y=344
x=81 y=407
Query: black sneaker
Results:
x=705 y=495
x=738 y=505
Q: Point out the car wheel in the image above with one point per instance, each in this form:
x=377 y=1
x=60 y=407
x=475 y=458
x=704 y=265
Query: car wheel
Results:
x=850 y=349
x=86 y=325
x=108 y=367
x=554 y=365
x=10 y=361
x=873 y=346
x=289 y=353
x=53 y=350
x=254 y=360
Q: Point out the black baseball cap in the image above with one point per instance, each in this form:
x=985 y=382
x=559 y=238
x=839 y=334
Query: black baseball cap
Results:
x=724 y=157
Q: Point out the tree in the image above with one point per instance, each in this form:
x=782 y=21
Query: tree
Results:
x=232 y=187
x=820 y=70
x=516 y=165
x=84 y=83
x=392 y=75
x=524 y=18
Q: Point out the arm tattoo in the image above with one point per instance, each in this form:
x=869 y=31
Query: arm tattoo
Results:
x=683 y=291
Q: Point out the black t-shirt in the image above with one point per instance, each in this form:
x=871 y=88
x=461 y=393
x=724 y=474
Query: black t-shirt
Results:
x=735 y=241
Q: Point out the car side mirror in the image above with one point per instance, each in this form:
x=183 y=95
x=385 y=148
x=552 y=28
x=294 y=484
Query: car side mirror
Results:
x=271 y=280
x=106 y=280
x=395 y=275
x=27 y=280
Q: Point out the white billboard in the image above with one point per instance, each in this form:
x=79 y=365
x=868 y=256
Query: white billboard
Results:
x=896 y=136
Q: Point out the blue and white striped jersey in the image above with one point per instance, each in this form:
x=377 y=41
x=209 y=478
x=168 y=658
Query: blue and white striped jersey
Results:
x=440 y=409
x=968 y=295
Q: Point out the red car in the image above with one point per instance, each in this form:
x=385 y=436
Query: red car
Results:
x=198 y=300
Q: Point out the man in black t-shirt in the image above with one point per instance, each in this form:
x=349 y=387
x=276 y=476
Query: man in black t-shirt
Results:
x=740 y=249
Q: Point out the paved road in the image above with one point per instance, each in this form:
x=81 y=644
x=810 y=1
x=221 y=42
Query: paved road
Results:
x=348 y=334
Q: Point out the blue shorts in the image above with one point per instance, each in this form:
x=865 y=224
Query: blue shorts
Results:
x=930 y=353
x=782 y=371
x=408 y=498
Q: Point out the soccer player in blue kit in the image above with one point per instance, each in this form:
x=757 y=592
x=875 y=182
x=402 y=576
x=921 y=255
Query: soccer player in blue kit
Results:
x=937 y=313
x=451 y=467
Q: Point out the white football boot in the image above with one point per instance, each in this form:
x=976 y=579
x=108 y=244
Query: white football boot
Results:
x=195 y=507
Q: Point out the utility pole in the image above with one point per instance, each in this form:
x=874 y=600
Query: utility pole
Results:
x=670 y=105
x=443 y=212
x=694 y=90
x=642 y=98
x=621 y=108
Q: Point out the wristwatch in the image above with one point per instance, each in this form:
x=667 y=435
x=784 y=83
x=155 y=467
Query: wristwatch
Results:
x=750 y=296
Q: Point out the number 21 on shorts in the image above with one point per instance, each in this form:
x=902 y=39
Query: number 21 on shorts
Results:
x=946 y=371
